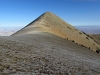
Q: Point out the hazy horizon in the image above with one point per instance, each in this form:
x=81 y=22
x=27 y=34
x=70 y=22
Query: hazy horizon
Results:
x=6 y=31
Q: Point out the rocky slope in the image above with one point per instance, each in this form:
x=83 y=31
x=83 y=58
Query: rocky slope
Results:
x=50 y=23
x=46 y=54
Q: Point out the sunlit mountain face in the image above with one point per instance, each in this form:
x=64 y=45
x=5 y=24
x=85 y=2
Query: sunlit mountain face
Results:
x=89 y=29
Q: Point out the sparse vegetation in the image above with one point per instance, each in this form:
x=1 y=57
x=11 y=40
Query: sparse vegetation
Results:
x=68 y=27
x=73 y=41
x=87 y=38
x=95 y=37
x=98 y=51
x=80 y=32
x=76 y=29
x=82 y=45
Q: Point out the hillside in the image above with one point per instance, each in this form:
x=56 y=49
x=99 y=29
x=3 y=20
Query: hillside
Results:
x=45 y=54
x=89 y=29
x=96 y=37
x=50 y=23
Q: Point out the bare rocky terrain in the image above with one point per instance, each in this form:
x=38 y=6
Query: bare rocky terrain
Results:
x=49 y=46
x=46 y=54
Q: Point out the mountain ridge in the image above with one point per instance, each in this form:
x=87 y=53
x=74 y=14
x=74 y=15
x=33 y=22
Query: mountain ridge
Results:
x=50 y=23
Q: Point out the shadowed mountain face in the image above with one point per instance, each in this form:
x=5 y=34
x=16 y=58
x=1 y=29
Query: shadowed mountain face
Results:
x=50 y=23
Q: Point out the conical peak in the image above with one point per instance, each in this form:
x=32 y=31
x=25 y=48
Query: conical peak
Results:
x=51 y=23
x=48 y=13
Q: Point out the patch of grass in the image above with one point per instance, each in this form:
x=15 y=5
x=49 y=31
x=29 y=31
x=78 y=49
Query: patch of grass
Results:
x=98 y=51
x=73 y=41
x=87 y=38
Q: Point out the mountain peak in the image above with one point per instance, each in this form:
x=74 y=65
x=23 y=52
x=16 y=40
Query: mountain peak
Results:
x=50 y=23
x=48 y=13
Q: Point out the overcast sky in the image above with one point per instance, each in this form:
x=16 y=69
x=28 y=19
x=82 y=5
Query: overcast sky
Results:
x=75 y=12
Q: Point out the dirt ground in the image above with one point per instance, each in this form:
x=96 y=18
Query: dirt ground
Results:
x=45 y=54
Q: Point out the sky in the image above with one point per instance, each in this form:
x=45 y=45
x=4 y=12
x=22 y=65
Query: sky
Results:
x=76 y=12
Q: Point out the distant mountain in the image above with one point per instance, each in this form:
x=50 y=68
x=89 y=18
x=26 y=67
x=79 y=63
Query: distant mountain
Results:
x=50 y=23
x=7 y=31
x=89 y=29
